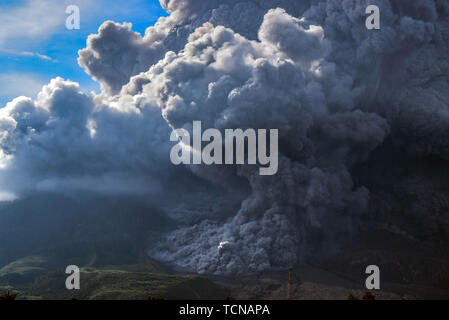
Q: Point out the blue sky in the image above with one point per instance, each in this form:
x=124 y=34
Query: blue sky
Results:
x=35 y=45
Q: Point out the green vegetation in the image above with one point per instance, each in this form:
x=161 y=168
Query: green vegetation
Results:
x=118 y=284
x=36 y=277
x=23 y=270
x=32 y=279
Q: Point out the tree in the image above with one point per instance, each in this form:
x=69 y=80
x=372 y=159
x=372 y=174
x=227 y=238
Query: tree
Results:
x=8 y=296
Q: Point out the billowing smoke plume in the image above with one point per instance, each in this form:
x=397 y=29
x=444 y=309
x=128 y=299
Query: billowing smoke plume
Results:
x=351 y=105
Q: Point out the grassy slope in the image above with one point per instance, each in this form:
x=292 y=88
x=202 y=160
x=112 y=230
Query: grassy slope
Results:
x=23 y=270
x=32 y=277
x=120 y=284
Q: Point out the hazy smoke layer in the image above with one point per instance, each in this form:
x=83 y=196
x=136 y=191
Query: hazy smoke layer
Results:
x=350 y=104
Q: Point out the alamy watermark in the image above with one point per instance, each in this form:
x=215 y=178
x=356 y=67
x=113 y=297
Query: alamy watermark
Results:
x=73 y=280
x=373 y=20
x=73 y=21
x=233 y=147
x=373 y=280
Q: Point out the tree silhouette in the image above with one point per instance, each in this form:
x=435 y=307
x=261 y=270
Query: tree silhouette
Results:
x=368 y=296
x=8 y=296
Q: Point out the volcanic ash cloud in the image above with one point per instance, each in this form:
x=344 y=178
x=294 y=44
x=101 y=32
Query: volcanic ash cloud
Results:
x=349 y=104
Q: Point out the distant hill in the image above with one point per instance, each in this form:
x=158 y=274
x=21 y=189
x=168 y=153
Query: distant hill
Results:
x=82 y=231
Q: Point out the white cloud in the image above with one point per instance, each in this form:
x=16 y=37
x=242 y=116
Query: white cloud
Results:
x=28 y=54
x=36 y=20
x=20 y=84
x=6 y=196
x=35 y=54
